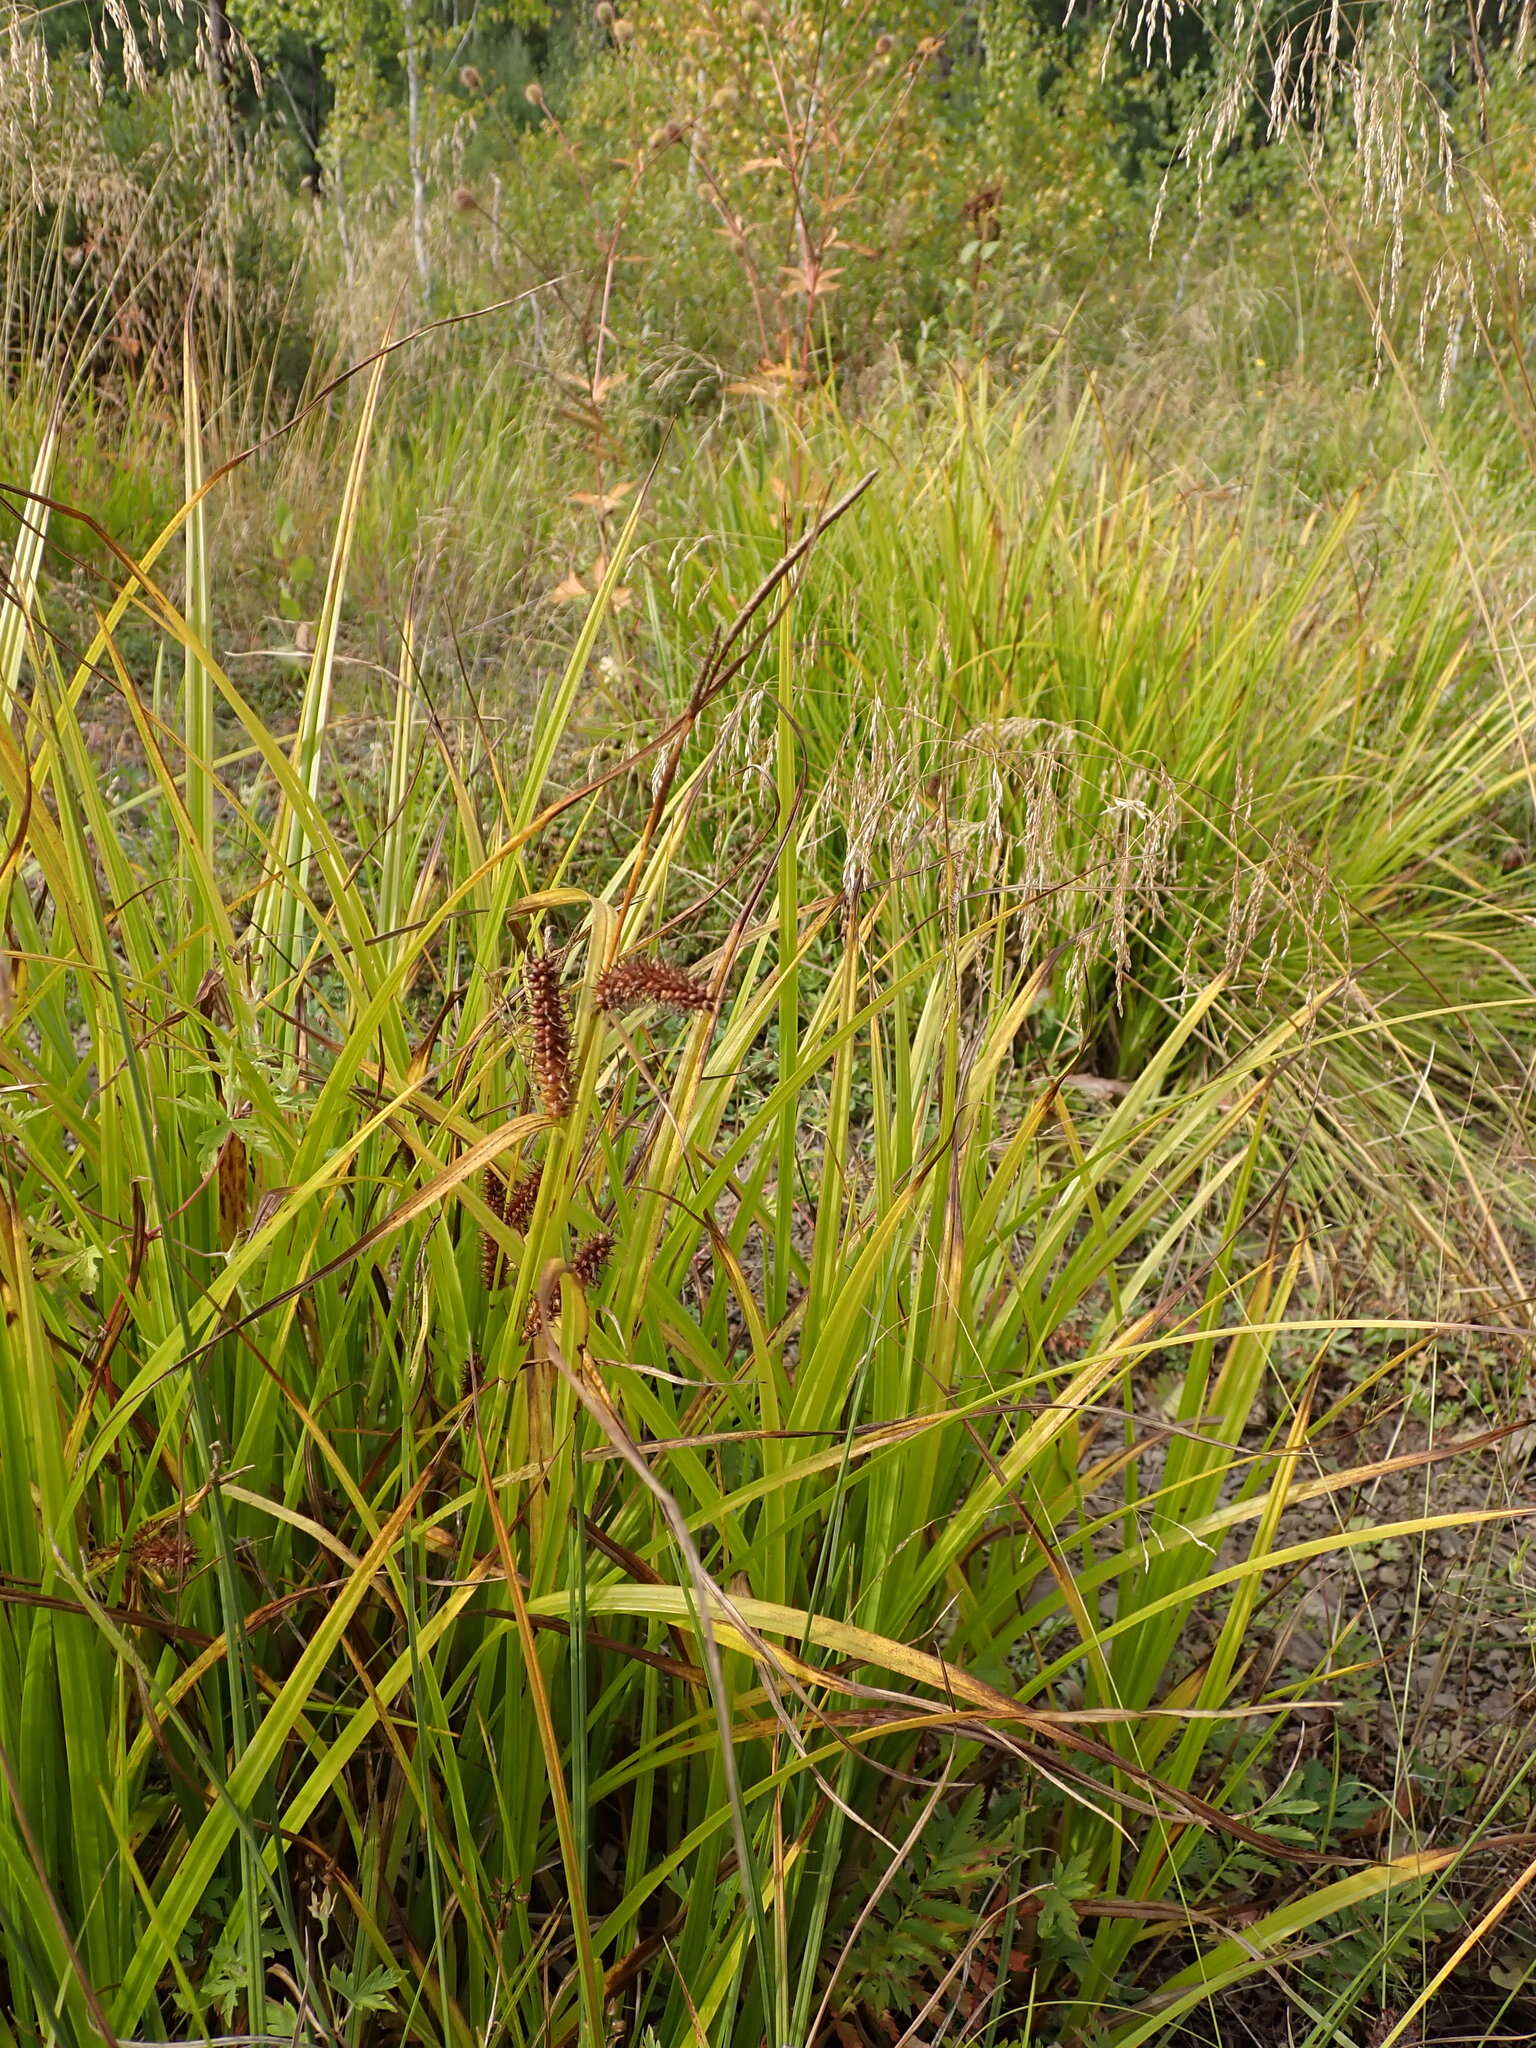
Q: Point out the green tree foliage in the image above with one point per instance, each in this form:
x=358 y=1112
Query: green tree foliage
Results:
x=375 y=51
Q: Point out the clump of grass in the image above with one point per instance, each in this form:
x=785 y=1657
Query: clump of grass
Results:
x=118 y=208
x=1176 y=733
x=367 y=1670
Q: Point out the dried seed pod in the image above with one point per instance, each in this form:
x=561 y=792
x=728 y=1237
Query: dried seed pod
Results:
x=629 y=982
x=551 y=1059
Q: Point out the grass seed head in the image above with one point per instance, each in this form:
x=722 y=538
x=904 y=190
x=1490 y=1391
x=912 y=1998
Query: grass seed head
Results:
x=522 y=1199
x=513 y=1206
x=551 y=1057
x=591 y=1257
x=495 y=1190
x=628 y=983
x=164 y=1553
x=587 y=1264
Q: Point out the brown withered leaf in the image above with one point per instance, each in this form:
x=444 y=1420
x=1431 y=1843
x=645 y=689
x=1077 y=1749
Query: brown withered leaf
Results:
x=234 y=1189
x=602 y=501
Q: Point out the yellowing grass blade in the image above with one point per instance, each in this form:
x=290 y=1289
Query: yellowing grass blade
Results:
x=281 y=916
x=19 y=592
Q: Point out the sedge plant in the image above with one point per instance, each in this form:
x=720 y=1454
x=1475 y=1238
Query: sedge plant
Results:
x=559 y=1410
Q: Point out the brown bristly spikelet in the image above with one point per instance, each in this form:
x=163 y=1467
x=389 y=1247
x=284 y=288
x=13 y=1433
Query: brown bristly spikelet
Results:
x=629 y=982
x=164 y=1552
x=587 y=1263
x=494 y=1188
x=522 y=1199
x=590 y=1257
x=551 y=1059
x=513 y=1206
x=474 y=1373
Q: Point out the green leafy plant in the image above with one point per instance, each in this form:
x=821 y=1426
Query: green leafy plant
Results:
x=925 y=1915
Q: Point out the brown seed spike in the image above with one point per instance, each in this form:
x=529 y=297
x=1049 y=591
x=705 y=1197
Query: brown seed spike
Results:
x=513 y=1206
x=591 y=1257
x=551 y=1034
x=630 y=982
x=495 y=1189
x=522 y=1198
x=164 y=1552
x=587 y=1263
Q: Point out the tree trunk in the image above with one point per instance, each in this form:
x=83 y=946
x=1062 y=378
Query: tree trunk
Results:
x=413 y=145
x=218 y=44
